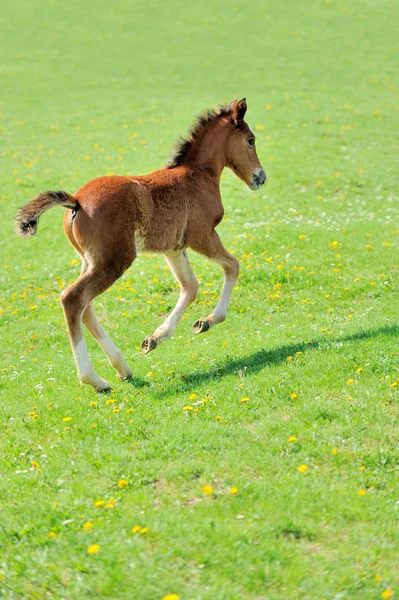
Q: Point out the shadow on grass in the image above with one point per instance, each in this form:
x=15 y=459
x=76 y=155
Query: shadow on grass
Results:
x=253 y=363
x=137 y=382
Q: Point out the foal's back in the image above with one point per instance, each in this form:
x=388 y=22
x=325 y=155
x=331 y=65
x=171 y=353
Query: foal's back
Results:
x=159 y=212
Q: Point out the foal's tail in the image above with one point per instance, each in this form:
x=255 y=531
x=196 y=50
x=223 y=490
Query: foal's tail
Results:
x=27 y=217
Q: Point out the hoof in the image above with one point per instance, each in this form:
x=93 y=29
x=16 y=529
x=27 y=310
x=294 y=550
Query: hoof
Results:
x=201 y=326
x=125 y=376
x=97 y=383
x=103 y=390
x=148 y=344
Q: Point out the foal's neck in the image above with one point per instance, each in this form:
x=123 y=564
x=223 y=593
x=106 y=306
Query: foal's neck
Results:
x=209 y=153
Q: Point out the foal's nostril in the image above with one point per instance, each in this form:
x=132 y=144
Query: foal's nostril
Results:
x=259 y=178
x=262 y=177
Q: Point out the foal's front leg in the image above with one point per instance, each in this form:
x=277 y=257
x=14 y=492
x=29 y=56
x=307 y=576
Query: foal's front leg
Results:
x=215 y=250
x=183 y=272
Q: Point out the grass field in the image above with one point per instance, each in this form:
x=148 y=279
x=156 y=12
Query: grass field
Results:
x=259 y=460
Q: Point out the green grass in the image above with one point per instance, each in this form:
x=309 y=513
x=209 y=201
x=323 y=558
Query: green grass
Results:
x=311 y=337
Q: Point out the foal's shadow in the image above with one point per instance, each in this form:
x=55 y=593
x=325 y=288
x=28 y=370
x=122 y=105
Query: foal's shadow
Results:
x=259 y=360
x=137 y=382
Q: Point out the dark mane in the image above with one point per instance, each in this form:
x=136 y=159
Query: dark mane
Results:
x=184 y=145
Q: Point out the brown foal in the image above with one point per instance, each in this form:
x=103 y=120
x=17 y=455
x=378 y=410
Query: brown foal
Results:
x=110 y=219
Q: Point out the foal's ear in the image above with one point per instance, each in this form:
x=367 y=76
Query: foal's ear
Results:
x=238 y=108
x=241 y=109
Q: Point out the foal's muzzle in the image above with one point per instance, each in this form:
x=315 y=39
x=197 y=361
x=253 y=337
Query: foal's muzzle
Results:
x=258 y=179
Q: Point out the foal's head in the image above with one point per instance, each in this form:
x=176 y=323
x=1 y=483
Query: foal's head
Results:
x=241 y=154
x=236 y=151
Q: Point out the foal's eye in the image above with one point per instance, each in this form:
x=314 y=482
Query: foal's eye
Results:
x=251 y=142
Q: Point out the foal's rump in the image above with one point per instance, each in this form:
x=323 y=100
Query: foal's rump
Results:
x=104 y=227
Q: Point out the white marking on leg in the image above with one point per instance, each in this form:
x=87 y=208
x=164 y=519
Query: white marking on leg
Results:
x=183 y=272
x=231 y=268
x=220 y=311
x=115 y=356
x=86 y=373
x=111 y=350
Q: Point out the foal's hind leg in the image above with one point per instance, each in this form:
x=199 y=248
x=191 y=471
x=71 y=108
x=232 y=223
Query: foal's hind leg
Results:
x=112 y=352
x=183 y=272
x=75 y=300
x=215 y=250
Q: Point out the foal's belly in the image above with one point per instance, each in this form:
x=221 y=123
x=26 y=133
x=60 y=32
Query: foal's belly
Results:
x=164 y=238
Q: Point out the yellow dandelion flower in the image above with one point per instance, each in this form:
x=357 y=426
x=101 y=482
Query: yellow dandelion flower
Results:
x=52 y=535
x=361 y=492
x=171 y=597
x=143 y=530
x=192 y=396
x=93 y=549
x=244 y=399
x=294 y=395
x=350 y=381
x=302 y=468
x=207 y=489
x=292 y=438
x=92 y=403
x=122 y=483
x=233 y=490
x=387 y=594
x=334 y=451
x=136 y=529
x=111 y=503
x=88 y=526
x=67 y=419
x=99 y=503
x=187 y=408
